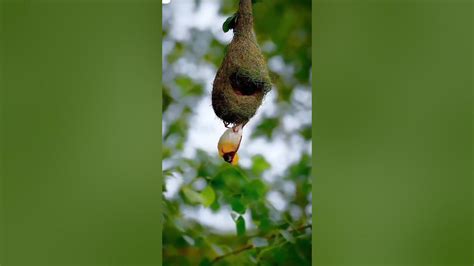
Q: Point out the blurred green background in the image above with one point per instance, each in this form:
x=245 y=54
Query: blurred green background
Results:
x=392 y=132
x=212 y=208
x=80 y=131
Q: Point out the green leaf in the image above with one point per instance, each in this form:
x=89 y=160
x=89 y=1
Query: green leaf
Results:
x=300 y=170
x=205 y=262
x=218 y=250
x=199 y=241
x=259 y=164
x=253 y=259
x=208 y=196
x=259 y=242
x=265 y=225
x=177 y=53
x=288 y=236
x=187 y=86
x=240 y=225
x=183 y=81
x=229 y=23
x=215 y=206
x=230 y=178
x=306 y=132
x=266 y=128
x=237 y=205
x=189 y=240
x=259 y=210
x=167 y=98
x=191 y=195
x=179 y=127
x=254 y=190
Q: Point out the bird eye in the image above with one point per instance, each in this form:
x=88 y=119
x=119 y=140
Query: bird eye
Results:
x=228 y=157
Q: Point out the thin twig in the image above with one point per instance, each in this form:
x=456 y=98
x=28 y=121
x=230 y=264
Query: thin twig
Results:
x=251 y=246
x=237 y=251
x=301 y=228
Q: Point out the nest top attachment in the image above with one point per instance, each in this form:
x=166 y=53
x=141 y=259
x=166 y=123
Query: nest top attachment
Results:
x=242 y=80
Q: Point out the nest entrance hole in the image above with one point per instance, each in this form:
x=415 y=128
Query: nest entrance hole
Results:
x=244 y=84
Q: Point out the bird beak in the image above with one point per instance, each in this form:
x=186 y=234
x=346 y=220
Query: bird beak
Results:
x=235 y=160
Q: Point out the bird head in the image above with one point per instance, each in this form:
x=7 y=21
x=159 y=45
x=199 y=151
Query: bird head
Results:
x=231 y=157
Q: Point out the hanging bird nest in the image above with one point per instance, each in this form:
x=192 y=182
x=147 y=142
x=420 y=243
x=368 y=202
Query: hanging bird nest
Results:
x=242 y=79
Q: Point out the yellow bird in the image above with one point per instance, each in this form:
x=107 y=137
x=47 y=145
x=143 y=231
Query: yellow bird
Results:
x=229 y=144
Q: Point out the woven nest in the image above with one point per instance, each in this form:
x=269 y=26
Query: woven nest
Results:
x=242 y=79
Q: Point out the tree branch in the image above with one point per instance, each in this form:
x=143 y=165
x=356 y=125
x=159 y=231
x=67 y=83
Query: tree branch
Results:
x=237 y=251
x=251 y=246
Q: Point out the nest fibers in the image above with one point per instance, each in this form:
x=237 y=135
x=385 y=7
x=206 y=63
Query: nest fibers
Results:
x=242 y=79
